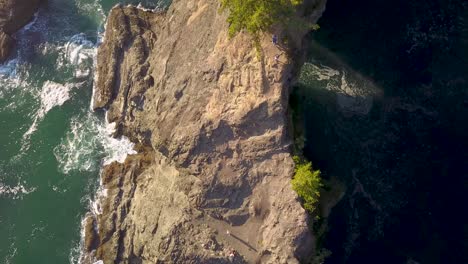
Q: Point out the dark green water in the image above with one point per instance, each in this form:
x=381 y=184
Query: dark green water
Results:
x=51 y=145
x=384 y=103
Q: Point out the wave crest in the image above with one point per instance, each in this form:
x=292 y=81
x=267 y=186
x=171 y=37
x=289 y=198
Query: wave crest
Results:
x=52 y=94
x=88 y=142
x=15 y=192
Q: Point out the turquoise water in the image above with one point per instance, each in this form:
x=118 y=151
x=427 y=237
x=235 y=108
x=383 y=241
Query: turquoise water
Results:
x=51 y=144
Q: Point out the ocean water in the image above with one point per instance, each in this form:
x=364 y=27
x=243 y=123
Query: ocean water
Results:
x=51 y=145
x=383 y=98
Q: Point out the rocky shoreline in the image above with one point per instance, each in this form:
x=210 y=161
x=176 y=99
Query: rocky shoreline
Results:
x=211 y=182
x=14 y=14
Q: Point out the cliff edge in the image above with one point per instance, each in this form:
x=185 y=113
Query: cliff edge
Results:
x=14 y=14
x=211 y=182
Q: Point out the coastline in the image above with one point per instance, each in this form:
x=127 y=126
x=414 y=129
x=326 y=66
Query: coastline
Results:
x=229 y=140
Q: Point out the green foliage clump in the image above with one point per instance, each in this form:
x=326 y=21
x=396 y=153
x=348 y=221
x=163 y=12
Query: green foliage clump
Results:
x=306 y=183
x=256 y=16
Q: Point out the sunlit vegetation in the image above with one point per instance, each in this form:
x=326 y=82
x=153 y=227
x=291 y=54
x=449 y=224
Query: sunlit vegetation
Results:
x=306 y=183
x=256 y=16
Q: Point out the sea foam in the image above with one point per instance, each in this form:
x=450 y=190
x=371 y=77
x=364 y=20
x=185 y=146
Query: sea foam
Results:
x=354 y=93
x=116 y=149
x=15 y=192
x=52 y=94
x=89 y=140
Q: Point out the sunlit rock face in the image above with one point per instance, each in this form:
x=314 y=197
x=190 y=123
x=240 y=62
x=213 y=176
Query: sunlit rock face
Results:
x=210 y=116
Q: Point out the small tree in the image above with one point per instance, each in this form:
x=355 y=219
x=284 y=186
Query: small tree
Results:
x=306 y=183
x=256 y=16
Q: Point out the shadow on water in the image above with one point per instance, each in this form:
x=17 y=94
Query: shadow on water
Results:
x=403 y=160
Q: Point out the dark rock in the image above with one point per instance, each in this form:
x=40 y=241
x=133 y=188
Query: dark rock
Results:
x=14 y=14
x=6 y=46
x=92 y=238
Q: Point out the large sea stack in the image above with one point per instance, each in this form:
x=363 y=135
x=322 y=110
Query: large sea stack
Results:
x=209 y=115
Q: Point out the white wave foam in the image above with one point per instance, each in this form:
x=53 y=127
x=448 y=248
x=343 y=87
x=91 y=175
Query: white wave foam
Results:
x=116 y=149
x=95 y=209
x=92 y=9
x=101 y=39
x=76 y=50
x=32 y=23
x=16 y=192
x=53 y=94
x=158 y=8
x=95 y=205
x=101 y=36
x=13 y=77
x=89 y=140
x=76 y=253
x=320 y=72
x=78 y=53
x=15 y=91
x=354 y=93
x=8 y=68
x=78 y=150
x=12 y=251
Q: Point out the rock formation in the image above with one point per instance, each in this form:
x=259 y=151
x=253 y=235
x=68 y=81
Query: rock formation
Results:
x=209 y=116
x=6 y=45
x=14 y=14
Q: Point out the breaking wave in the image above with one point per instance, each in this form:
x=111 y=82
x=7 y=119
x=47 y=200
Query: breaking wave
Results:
x=92 y=9
x=15 y=192
x=52 y=95
x=88 y=142
x=12 y=252
x=14 y=85
x=78 y=53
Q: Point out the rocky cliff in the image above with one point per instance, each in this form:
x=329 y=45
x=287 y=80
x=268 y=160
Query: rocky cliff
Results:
x=14 y=14
x=209 y=116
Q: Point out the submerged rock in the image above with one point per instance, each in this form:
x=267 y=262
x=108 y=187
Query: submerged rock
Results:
x=14 y=14
x=211 y=182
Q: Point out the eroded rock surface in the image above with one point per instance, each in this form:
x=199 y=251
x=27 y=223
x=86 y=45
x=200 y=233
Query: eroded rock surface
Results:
x=6 y=45
x=14 y=14
x=213 y=172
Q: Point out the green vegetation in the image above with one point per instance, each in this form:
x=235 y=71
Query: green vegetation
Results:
x=319 y=194
x=256 y=16
x=306 y=183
